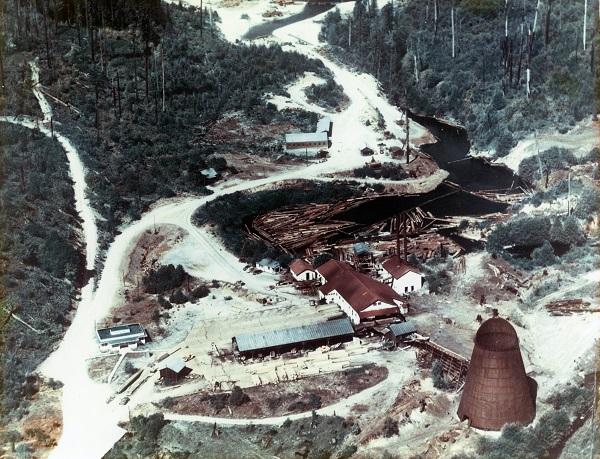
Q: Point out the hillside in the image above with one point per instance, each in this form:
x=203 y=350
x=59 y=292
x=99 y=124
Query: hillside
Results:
x=41 y=262
x=142 y=96
x=478 y=74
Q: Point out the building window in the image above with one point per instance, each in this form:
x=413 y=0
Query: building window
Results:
x=405 y=289
x=412 y=288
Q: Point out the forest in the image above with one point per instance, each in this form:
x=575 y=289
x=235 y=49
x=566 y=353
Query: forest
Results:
x=41 y=261
x=137 y=90
x=503 y=69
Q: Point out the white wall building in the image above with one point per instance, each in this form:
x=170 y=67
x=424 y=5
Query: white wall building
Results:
x=403 y=277
x=302 y=270
x=359 y=296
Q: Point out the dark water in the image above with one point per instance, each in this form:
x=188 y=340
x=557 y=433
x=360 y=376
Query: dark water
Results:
x=266 y=29
x=451 y=153
x=446 y=200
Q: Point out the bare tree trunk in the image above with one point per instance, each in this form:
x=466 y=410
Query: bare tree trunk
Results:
x=435 y=19
x=349 y=33
x=535 y=18
x=162 y=64
x=547 y=24
x=146 y=50
x=47 y=36
x=519 y=66
x=584 y=23
x=201 y=19
x=97 y=113
x=407 y=122
x=453 y=39
x=506 y=19
x=416 y=69
x=119 y=94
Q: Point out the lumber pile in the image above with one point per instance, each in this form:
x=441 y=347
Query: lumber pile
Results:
x=569 y=307
x=455 y=366
x=299 y=226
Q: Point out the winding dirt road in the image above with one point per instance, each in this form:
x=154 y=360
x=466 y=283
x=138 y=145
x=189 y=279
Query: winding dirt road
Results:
x=90 y=420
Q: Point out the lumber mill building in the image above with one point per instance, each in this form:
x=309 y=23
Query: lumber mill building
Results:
x=358 y=295
x=282 y=340
x=310 y=143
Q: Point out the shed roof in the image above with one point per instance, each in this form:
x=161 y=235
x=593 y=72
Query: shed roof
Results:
x=397 y=267
x=269 y=263
x=301 y=137
x=175 y=364
x=298 y=266
x=286 y=336
x=209 y=173
x=331 y=267
x=361 y=248
x=121 y=333
x=403 y=328
x=324 y=124
x=366 y=151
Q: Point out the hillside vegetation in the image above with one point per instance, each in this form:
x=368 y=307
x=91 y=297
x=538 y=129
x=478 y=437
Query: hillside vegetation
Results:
x=41 y=262
x=138 y=88
x=480 y=77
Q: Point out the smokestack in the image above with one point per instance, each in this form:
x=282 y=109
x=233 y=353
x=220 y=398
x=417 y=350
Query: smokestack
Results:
x=497 y=390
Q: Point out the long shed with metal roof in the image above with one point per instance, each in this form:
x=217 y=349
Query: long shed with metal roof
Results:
x=330 y=332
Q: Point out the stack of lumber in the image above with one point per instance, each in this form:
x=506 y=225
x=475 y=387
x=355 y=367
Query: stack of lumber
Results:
x=570 y=306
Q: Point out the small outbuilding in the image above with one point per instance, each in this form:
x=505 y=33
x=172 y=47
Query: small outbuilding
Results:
x=367 y=151
x=174 y=370
x=400 y=331
x=268 y=265
x=130 y=335
x=302 y=270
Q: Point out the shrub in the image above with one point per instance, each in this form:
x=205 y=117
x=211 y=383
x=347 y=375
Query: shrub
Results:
x=164 y=278
x=201 y=291
x=544 y=255
x=437 y=374
x=238 y=397
x=148 y=428
x=439 y=281
x=178 y=297
x=129 y=368
x=390 y=427
x=550 y=160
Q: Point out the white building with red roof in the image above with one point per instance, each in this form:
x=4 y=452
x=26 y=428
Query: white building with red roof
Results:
x=302 y=270
x=360 y=297
x=401 y=275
